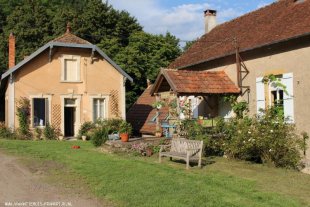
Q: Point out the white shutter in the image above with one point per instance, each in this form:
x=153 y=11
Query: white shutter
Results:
x=260 y=94
x=288 y=101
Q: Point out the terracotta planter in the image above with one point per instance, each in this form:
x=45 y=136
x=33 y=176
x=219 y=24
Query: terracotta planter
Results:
x=149 y=152
x=124 y=137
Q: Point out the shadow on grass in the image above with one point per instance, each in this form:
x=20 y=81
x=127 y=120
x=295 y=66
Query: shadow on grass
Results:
x=204 y=162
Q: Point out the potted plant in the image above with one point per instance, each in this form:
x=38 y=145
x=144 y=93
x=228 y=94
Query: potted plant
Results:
x=158 y=104
x=125 y=131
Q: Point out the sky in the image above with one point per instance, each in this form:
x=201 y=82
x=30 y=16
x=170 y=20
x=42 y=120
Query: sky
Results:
x=183 y=18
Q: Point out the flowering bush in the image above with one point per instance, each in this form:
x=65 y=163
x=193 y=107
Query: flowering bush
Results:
x=264 y=139
x=267 y=139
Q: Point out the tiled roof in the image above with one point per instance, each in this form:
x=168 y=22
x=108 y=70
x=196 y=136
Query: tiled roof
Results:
x=277 y=22
x=68 y=37
x=198 y=82
x=142 y=112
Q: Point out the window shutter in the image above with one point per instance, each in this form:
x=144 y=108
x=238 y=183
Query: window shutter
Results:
x=287 y=80
x=260 y=94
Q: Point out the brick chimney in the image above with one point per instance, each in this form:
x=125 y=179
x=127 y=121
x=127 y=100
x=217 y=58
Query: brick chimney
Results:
x=210 y=20
x=11 y=51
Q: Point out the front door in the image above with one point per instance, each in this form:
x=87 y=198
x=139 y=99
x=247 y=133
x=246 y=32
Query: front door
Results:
x=69 y=121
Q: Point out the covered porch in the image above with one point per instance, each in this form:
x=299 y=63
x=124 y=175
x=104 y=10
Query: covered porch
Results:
x=194 y=94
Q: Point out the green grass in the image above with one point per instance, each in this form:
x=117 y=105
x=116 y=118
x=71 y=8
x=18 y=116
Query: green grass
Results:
x=135 y=181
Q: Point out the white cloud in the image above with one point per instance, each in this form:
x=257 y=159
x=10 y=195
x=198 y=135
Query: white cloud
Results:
x=185 y=21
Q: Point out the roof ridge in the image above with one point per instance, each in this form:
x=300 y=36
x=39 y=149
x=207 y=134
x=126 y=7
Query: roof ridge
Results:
x=69 y=37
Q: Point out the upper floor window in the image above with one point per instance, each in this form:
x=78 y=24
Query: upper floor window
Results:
x=70 y=68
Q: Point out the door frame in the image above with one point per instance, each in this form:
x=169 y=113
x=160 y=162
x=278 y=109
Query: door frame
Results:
x=77 y=106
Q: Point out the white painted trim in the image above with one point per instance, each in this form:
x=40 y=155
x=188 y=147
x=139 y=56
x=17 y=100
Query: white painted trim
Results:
x=49 y=98
x=106 y=104
x=78 y=62
x=77 y=123
x=11 y=103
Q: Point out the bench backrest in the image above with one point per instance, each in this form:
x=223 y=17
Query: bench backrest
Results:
x=181 y=145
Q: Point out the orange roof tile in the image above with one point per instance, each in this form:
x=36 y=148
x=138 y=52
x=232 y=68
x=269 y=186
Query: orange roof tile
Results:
x=142 y=112
x=198 y=82
x=70 y=38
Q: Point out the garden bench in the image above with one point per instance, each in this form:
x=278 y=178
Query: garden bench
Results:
x=184 y=149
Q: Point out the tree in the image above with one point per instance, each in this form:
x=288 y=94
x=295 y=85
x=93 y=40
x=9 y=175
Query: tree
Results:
x=143 y=58
x=31 y=26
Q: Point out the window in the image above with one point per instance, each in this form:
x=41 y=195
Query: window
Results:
x=98 y=108
x=40 y=111
x=70 y=68
x=71 y=73
x=276 y=96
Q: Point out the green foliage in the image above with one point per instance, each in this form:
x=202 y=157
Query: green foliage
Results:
x=38 y=133
x=275 y=81
x=5 y=132
x=49 y=132
x=99 y=136
x=239 y=107
x=158 y=104
x=23 y=114
x=143 y=58
x=267 y=139
x=85 y=128
x=125 y=127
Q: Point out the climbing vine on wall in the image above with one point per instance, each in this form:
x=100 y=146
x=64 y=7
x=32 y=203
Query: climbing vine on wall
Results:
x=23 y=114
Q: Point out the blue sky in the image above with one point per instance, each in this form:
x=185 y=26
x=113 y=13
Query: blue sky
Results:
x=184 y=18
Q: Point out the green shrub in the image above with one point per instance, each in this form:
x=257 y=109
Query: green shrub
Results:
x=5 y=132
x=38 y=133
x=85 y=129
x=23 y=114
x=264 y=139
x=50 y=132
x=99 y=136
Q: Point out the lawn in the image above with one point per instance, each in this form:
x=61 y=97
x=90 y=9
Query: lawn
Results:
x=136 y=181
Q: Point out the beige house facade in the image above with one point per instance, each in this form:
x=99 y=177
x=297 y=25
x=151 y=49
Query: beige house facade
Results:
x=68 y=81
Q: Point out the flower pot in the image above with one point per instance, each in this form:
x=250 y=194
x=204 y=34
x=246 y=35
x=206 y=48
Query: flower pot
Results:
x=60 y=138
x=124 y=137
x=84 y=138
x=149 y=152
x=158 y=134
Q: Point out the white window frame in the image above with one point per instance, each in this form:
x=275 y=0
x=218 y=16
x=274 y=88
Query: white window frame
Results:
x=49 y=98
x=63 y=59
x=106 y=108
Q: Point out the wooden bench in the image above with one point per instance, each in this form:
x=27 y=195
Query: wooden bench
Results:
x=184 y=149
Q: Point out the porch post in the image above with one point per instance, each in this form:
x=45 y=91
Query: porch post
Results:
x=157 y=113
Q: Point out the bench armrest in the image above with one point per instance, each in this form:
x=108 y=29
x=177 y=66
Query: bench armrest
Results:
x=162 y=147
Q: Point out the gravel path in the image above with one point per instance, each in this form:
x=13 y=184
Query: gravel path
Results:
x=20 y=187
